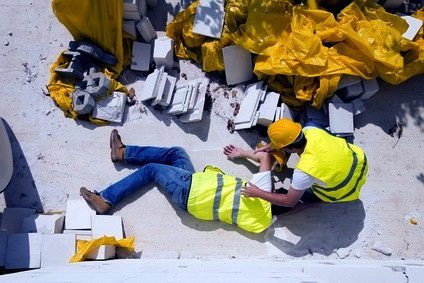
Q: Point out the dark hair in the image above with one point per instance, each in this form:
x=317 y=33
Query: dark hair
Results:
x=299 y=143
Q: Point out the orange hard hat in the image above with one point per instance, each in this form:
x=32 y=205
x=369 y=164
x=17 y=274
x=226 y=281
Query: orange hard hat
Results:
x=283 y=132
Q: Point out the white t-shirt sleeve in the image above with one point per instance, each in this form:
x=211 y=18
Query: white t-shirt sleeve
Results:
x=301 y=181
x=262 y=180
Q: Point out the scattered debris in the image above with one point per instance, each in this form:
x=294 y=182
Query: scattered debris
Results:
x=236 y=108
x=45 y=90
x=10 y=33
x=184 y=76
x=382 y=248
x=6 y=43
x=396 y=129
x=413 y=221
x=226 y=94
x=231 y=126
x=233 y=93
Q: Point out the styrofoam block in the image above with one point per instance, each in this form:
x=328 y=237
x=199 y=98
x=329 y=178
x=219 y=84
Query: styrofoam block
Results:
x=358 y=106
x=414 y=27
x=208 y=21
x=150 y=88
x=111 y=108
x=3 y=246
x=213 y=4
x=238 y=64
x=146 y=30
x=13 y=217
x=141 y=56
x=77 y=232
x=179 y=100
x=78 y=214
x=341 y=118
x=23 y=250
x=163 y=52
x=168 y=91
x=196 y=114
x=277 y=114
x=129 y=27
x=132 y=15
x=249 y=103
x=105 y=225
x=286 y=112
x=347 y=80
x=370 y=88
x=267 y=108
x=57 y=249
x=44 y=224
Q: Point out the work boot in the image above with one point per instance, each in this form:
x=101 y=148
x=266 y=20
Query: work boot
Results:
x=95 y=200
x=117 y=148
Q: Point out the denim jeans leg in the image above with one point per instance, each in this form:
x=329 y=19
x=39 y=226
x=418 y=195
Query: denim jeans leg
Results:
x=174 y=156
x=175 y=181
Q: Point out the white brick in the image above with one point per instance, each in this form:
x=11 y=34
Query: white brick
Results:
x=163 y=52
x=414 y=27
x=44 y=224
x=179 y=100
x=3 y=247
x=238 y=64
x=146 y=30
x=341 y=118
x=141 y=56
x=103 y=252
x=286 y=112
x=370 y=88
x=111 y=108
x=57 y=249
x=161 y=84
x=267 y=108
x=78 y=214
x=196 y=114
x=23 y=250
x=150 y=88
x=105 y=225
x=347 y=80
x=129 y=27
x=168 y=91
x=208 y=21
x=13 y=217
x=249 y=104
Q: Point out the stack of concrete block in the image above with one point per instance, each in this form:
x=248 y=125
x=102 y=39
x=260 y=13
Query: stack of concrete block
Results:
x=141 y=56
x=105 y=225
x=111 y=108
x=134 y=9
x=163 y=52
x=248 y=114
x=267 y=109
x=238 y=64
x=209 y=18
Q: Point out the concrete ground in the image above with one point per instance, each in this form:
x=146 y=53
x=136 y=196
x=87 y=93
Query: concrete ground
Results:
x=54 y=156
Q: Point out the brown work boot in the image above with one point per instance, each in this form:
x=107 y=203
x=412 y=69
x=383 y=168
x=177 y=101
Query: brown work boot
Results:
x=117 y=148
x=95 y=201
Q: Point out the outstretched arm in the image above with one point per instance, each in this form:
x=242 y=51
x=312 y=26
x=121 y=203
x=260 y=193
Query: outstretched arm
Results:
x=290 y=199
x=263 y=158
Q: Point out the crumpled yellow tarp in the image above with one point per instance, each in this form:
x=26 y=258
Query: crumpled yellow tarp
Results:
x=98 y=22
x=85 y=247
x=302 y=53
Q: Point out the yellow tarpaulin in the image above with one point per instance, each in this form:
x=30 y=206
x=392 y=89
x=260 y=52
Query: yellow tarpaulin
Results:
x=98 y=22
x=302 y=52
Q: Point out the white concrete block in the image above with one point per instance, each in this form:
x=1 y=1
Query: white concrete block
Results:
x=341 y=118
x=44 y=224
x=358 y=106
x=193 y=96
x=168 y=91
x=13 y=217
x=238 y=64
x=77 y=232
x=163 y=52
x=146 y=30
x=196 y=114
x=179 y=100
x=23 y=250
x=161 y=84
x=129 y=27
x=255 y=119
x=132 y=15
x=150 y=88
x=141 y=56
x=57 y=249
x=370 y=88
x=208 y=22
x=267 y=108
x=105 y=225
x=277 y=114
x=3 y=247
x=111 y=108
x=78 y=214
x=249 y=103
x=103 y=252
x=347 y=80
x=351 y=92
x=286 y=112
x=414 y=27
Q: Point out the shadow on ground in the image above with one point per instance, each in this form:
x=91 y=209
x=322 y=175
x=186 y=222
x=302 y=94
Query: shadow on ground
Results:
x=21 y=191
x=322 y=228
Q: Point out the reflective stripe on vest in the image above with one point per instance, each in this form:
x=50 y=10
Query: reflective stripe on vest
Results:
x=217 y=198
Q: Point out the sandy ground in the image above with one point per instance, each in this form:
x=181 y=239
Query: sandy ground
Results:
x=54 y=156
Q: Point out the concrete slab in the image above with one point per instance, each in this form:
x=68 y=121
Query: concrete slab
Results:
x=208 y=22
x=267 y=108
x=250 y=103
x=141 y=56
x=238 y=64
x=196 y=113
x=111 y=108
x=163 y=52
x=57 y=249
x=13 y=217
x=78 y=214
x=341 y=118
x=146 y=30
x=23 y=251
x=168 y=91
x=44 y=224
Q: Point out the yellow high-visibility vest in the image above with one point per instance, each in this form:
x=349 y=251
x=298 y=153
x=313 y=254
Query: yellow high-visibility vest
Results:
x=340 y=165
x=216 y=196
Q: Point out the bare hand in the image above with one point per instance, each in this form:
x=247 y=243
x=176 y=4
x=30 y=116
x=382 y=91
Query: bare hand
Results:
x=250 y=190
x=232 y=152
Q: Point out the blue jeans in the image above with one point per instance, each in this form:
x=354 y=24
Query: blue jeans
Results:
x=170 y=168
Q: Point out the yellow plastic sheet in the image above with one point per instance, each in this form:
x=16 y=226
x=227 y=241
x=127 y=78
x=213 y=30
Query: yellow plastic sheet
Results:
x=302 y=52
x=85 y=247
x=98 y=22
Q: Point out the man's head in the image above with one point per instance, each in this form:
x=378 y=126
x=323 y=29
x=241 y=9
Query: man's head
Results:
x=287 y=135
